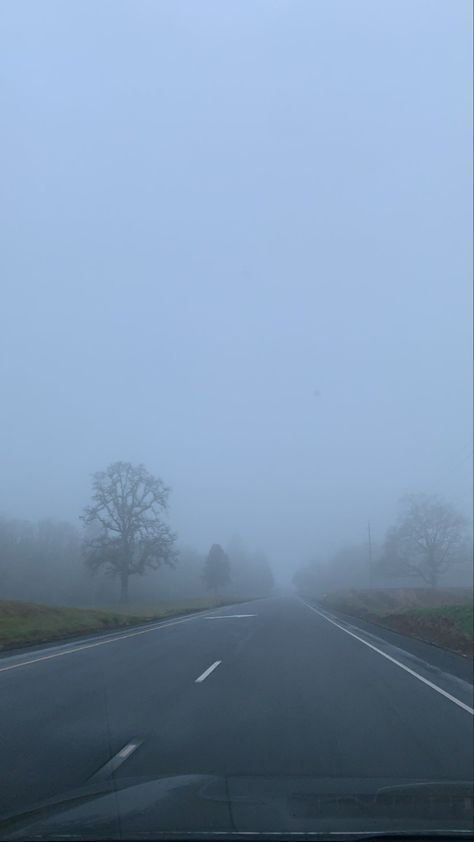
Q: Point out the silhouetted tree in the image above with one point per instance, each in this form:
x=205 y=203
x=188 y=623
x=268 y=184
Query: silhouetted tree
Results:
x=126 y=532
x=216 y=571
x=428 y=538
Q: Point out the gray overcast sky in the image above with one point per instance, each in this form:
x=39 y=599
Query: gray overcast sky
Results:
x=236 y=246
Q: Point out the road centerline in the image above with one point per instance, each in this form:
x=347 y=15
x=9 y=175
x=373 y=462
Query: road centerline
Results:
x=229 y=616
x=117 y=760
x=394 y=661
x=207 y=672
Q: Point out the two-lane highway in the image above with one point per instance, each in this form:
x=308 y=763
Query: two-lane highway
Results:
x=271 y=687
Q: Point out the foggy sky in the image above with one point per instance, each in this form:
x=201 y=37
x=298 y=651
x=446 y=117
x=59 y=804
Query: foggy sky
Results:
x=236 y=246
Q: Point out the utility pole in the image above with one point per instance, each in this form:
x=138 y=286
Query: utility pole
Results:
x=370 y=555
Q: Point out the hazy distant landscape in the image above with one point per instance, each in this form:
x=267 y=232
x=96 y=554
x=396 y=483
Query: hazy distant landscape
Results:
x=125 y=537
x=236 y=427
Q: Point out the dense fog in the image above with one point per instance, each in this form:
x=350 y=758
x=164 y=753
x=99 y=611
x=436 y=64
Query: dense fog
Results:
x=228 y=259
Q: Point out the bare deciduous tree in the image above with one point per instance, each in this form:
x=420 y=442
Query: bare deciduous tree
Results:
x=126 y=533
x=428 y=538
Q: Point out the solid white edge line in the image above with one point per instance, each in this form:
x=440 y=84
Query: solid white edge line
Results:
x=394 y=661
x=84 y=646
x=207 y=672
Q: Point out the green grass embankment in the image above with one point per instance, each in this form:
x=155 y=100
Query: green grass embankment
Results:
x=26 y=623
x=441 y=616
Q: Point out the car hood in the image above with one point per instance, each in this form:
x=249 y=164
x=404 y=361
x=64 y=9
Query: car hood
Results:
x=196 y=806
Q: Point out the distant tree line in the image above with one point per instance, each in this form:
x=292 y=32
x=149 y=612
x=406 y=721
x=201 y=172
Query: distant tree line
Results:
x=428 y=543
x=42 y=562
x=236 y=569
x=251 y=570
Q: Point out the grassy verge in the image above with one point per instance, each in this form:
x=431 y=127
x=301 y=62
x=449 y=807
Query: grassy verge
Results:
x=26 y=623
x=461 y=616
x=449 y=626
x=152 y=610
x=443 y=617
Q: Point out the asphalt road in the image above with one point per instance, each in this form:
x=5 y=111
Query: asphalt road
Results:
x=290 y=692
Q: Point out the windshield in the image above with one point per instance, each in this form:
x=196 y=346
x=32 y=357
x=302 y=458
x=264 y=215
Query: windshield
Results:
x=236 y=569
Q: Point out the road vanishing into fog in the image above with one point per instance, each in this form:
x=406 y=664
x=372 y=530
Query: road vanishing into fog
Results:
x=269 y=687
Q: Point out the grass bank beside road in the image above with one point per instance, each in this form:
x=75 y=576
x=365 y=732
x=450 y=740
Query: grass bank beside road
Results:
x=443 y=616
x=26 y=623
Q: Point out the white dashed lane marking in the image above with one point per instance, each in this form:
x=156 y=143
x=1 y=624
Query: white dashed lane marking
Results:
x=207 y=672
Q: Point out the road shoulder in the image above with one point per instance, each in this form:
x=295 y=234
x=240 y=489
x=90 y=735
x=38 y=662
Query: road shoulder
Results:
x=444 y=671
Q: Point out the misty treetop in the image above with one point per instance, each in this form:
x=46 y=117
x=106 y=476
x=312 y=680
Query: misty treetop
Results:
x=125 y=530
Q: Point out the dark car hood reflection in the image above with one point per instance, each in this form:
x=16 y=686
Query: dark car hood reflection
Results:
x=195 y=805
